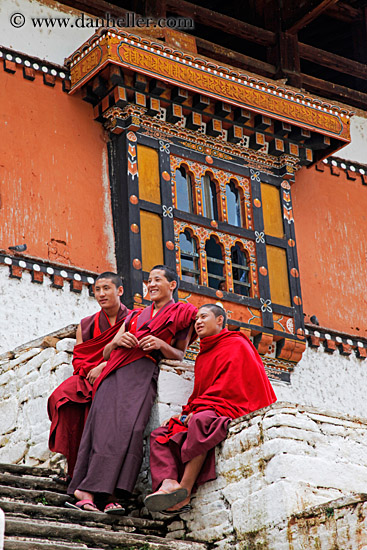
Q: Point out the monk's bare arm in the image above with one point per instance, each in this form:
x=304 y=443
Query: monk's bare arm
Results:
x=79 y=337
x=123 y=338
x=169 y=351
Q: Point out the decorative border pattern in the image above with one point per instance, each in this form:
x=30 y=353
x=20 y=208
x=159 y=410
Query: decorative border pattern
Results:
x=353 y=170
x=220 y=82
x=331 y=341
x=31 y=65
x=59 y=274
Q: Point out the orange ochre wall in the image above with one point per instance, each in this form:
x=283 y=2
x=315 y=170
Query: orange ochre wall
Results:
x=330 y=221
x=53 y=174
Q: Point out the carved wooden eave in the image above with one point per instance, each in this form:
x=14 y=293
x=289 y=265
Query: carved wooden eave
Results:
x=289 y=121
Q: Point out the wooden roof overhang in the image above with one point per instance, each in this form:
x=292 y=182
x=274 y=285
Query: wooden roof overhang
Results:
x=289 y=120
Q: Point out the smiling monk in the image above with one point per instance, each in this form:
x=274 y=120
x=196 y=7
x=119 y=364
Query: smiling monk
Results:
x=111 y=449
x=69 y=404
x=230 y=381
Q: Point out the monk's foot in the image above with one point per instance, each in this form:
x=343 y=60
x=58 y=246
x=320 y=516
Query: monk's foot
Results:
x=85 y=496
x=169 y=494
x=180 y=505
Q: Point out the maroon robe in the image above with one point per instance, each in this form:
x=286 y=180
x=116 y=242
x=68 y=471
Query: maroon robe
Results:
x=69 y=404
x=230 y=381
x=111 y=448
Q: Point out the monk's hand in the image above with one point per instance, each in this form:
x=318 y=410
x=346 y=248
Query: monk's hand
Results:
x=125 y=340
x=94 y=373
x=149 y=343
x=185 y=421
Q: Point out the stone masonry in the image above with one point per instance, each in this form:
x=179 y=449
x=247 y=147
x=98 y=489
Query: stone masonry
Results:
x=287 y=474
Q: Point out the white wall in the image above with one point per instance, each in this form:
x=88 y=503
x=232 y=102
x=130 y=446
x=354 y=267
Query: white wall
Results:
x=30 y=310
x=356 y=151
x=50 y=44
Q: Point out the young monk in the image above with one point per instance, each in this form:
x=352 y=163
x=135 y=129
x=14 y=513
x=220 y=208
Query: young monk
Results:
x=69 y=404
x=111 y=449
x=230 y=381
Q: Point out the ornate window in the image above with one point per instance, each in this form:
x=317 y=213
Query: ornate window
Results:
x=215 y=263
x=209 y=197
x=189 y=258
x=234 y=215
x=240 y=271
x=184 y=190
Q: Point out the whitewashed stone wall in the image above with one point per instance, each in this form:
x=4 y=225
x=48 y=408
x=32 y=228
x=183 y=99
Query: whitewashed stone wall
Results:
x=330 y=381
x=28 y=309
x=274 y=467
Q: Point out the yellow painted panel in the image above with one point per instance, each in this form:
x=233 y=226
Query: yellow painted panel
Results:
x=151 y=240
x=273 y=222
x=148 y=167
x=278 y=275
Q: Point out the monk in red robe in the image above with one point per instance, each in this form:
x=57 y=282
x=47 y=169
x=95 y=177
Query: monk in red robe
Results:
x=111 y=449
x=230 y=381
x=69 y=404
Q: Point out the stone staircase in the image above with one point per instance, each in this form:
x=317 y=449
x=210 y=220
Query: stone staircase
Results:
x=36 y=519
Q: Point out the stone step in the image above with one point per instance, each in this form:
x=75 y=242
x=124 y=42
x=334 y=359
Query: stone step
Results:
x=91 y=537
x=32 y=544
x=33 y=495
x=14 y=509
x=31 y=482
x=21 y=470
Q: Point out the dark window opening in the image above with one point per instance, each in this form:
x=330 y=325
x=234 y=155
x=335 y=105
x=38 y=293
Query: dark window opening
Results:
x=215 y=263
x=209 y=198
x=183 y=190
x=189 y=258
x=240 y=271
x=233 y=205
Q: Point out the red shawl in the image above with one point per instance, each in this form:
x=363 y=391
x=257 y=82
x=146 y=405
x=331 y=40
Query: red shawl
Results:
x=170 y=320
x=229 y=377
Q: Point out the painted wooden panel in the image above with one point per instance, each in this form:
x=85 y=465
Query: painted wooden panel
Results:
x=278 y=275
x=151 y=239
x=273 y=222
x=148 y=166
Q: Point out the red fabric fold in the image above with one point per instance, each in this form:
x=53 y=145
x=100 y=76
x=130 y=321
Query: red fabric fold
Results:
x=229 y=377
x=169 y=320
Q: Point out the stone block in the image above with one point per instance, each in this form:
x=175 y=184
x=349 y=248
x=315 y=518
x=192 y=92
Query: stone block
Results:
x=37 y=361
x=39 y=452
x=25 y=356
x=302 y=422
x=63 y=371
x=12 y=454
x=35 y=411
x=66 y=344
x=46 y=368
x=6 y=377
x=60 y=357
x=284 y=432
x=2 y=528
x=317 y=472
x=173 y=389
x=8 y=415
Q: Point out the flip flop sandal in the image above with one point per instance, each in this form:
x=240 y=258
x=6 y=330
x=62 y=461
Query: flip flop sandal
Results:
x=114 y=508
x=186 y=508
x=156 y=502
x=80 y=505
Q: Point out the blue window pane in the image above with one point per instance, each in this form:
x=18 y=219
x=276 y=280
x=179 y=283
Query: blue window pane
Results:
x=209 y=198
x=183 y=191
x=233 y=205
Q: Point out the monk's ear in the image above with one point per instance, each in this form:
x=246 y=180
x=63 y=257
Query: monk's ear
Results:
x=120 y=291
x=220 y=320
x=172 y=285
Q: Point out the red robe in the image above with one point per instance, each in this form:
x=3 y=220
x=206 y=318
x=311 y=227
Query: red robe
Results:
x=69 y=404
x=230 y=381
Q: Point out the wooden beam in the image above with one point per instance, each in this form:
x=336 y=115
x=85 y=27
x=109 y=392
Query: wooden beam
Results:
x=335 y=91
x=305 y=17
x=214 y=51
x=333 y=61
x=216 y=20
x=96 y=7
x=344 y=12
